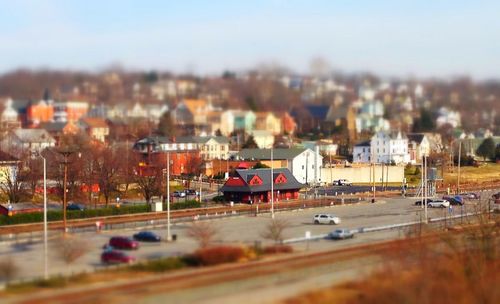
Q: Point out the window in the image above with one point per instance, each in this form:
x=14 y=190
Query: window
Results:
x=302 y=167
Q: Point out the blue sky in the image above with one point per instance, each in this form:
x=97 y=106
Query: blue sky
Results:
x=422 y=38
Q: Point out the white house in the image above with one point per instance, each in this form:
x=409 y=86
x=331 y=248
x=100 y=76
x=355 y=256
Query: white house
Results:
x=418 y=146
x=305 y=164
x=263 y=139
x=390 y=147
x=362 y=152
x=448 y=117
x=33 y=140
x=211 y=147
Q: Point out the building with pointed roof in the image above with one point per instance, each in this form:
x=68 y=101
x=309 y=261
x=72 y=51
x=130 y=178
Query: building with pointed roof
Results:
x=254 y=186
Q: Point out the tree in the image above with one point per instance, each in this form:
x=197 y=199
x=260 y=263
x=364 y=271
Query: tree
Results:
x=486 y=149
x=12 y=183
x=33 y=173
x=250 y=143
x=275 y=230
x=497 y=153
x=71 y=248
x=425 y=123
x=166 y=125
x=203 y=232
x=259 y=165
x=8 y=269
x=149 y=183
x=107 y=171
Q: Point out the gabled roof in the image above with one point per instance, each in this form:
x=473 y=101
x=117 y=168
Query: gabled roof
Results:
x=6 y=157
x=194 y=104
x=416 y=137
x=201 y=139
x=53 y=126
x=365 y=143
x=33 y=136
x=94 y=122
x=318 y=111
x=259 y=154
x=265 y=176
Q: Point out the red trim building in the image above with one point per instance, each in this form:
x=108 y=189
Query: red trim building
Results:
x=254 y=186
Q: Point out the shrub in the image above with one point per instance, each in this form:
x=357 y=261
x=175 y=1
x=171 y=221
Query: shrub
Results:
x=71 y=248
x=218 y=255
x=203 y=232
x=278 y=249
x=8 y=269
x=183 y=205
x=161 y=265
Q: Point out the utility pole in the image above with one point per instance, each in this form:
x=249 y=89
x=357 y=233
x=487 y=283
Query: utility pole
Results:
x=272 y=184
x=169 y=236
x=459 y=160
x=373 y=180
x=45 y=245
x=425 y=188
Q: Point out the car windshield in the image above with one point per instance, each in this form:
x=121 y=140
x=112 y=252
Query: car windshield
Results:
x=339 y=231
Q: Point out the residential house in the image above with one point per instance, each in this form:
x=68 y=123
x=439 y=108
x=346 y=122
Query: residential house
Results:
x=362 y=152
x=448 y=117
x=390 y=147
x=254 y=186
x=191 y=115
x=343 y=116
x=9 y=119
x=96 y=128
x=227 y=122
x=58 y=129
x=33 y=140
x=244 y=121
x=371 y=117
x=263 y=139
x=310 y=117
x=267 y=121
x=288 y=124
x=418 y=147
x=304 y=163
x=40 y=112
x=210 y=147
x=65 y=111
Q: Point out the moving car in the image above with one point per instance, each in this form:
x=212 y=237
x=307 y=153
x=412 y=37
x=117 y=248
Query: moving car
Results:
x=179 y=194
x=326 y=219
x=147 y=236
x=74 y=206
x=472 y=195
x=341 y=234
x=342 y=182
x=439 y=203
x=116 y=257
x=122 y=242
x=419 y=203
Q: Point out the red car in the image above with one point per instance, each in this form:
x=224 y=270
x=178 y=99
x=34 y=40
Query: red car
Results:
x=114 y=257
x=121 y=242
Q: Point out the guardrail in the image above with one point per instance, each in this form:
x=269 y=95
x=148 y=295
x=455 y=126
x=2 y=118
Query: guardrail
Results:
x=381 y=228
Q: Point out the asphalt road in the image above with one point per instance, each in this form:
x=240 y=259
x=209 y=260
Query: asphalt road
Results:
x=232 y=230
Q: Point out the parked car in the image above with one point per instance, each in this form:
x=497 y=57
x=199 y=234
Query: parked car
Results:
x=340 y=234
x=439 y=203
x=122 y=242
x=191 y=192
x=326 y=219
x=75 y=206
x=454 y=200
x=419 y=203
x=472 y=195
x=179 y=194
x=147 y=236
x=342 y=182
x=116 y=257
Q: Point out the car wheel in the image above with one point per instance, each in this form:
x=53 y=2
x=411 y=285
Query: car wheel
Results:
x=316 y=222
x=332 y=222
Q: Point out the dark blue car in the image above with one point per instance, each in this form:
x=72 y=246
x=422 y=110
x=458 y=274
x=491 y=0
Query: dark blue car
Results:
x=147 y=236
x=454 y=200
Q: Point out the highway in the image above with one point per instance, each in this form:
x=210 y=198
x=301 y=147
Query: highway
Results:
x=232 y=230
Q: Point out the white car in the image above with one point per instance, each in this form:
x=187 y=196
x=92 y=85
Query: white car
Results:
x=340 y=234
x=326 y=219
x=439 y=203
x=342 y=182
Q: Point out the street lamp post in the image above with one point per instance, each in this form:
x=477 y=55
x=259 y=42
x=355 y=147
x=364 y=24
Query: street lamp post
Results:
x=66 y=152
x=169 y=236
x=272 y=184
x=45 y=246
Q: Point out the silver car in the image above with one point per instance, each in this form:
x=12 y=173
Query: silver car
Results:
x=326 y=219
x=439 y=203
x=341 y=234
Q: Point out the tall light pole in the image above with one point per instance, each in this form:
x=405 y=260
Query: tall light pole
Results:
x=65 y=152
x=425 y=188
x=169 y=236
x=45 y=246
x=459 y=160
x=272 y=184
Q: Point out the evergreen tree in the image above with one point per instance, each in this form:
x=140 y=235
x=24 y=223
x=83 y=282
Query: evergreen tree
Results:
x=486 y=149
x=250 y=143
x=166 y=125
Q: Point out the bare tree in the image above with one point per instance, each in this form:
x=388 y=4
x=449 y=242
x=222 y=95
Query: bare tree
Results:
x=275 y=230
x=12 y=183
x=8 y=269
x=71 y=248
x=203 y=232
x=107 y=171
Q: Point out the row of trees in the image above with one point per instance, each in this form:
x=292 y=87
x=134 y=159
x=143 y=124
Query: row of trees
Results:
x=112 y=168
